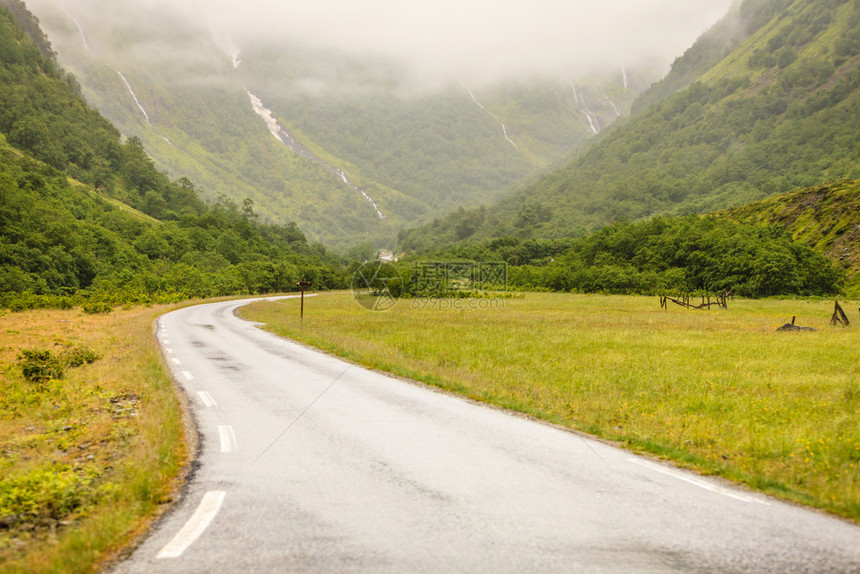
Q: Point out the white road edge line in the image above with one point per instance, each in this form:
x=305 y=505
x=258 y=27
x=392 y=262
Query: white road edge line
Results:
x=175 y=361
x=207 y=399
x=699 y=483
x=196 y=525
x=228 y=438
x=188 y=375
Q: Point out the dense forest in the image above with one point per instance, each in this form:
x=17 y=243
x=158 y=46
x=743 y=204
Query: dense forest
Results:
x=199 y=122
x=779 y=112
x=661 y=255
x=87 y=216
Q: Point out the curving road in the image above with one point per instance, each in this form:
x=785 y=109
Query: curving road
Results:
x=310 y=464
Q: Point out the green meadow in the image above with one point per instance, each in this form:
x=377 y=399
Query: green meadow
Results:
x=720 y=391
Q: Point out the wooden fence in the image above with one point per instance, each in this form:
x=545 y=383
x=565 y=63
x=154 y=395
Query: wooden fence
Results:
x=687 y=300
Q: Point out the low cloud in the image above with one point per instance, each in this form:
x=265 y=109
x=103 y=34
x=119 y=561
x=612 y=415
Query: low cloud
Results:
x=480 y=39
x=445 y=40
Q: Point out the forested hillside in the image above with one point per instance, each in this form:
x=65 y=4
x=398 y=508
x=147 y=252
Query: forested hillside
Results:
x=417 y=154
x=87 y=215
x=161 y=79
x=441 y=149
x=805 y=242
x=662 y=255
x=779 y=112
x=824 y=217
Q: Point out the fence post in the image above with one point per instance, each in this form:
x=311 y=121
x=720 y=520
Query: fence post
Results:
x=839 y=316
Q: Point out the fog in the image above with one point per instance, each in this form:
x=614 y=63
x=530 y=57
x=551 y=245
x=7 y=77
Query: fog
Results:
x=479 y=40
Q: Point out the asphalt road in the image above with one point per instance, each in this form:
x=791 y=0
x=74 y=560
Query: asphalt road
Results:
x=310 y=464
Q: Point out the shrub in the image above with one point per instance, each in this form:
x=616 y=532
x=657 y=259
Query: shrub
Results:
x=78 y=355
x=48 y=493
x=40 y=365
x=94 y=307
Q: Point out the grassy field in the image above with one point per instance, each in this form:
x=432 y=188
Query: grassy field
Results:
x=718 y=391
x=86 y=460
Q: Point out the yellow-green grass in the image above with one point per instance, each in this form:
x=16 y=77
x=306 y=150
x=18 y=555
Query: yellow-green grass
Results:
x=94 y=455
x=718 y=391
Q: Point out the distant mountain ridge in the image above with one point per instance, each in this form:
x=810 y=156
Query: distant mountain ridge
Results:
x=162 y=78
x=780 y=111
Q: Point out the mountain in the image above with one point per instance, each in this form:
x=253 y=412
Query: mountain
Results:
x=357 y=153
x=764 y=103
x=825 y=217
x=87 y=215
x=154 y=83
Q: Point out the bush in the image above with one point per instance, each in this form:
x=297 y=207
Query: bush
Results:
x=48 y=493
x=18 y=302
x=40 y=365
x=78 y=355
x=94 y=308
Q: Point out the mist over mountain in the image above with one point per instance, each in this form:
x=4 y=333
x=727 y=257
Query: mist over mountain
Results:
x=483 y=41
x=764 y=99
x=383 y=115
x=439 y=40
x=766 y=102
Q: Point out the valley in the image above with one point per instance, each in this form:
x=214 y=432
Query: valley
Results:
x=524 y=187
x=408 y=156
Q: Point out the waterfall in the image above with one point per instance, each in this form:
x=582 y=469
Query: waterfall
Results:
x=494 y=116
x=285 y=138
x=611 y=103
x=80 y=29
x=593 y=121
x=136 y=101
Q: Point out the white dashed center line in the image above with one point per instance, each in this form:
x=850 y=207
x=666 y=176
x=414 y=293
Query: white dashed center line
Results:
x=196 y=525
x=228 y=438
x=207 y=399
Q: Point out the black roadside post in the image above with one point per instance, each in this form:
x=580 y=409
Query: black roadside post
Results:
x=303 y=284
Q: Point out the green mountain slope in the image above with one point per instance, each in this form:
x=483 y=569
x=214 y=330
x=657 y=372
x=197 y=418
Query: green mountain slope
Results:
x=825 y=217
x=780 y=112
x=416 y=154
x=162 y=80
x=84 y=214
x=460 y=146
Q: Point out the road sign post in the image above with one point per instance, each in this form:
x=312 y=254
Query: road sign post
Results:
x=303 y=284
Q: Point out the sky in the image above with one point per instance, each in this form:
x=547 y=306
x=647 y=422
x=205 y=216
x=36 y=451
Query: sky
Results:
x=443 y=40
x=481 y=38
